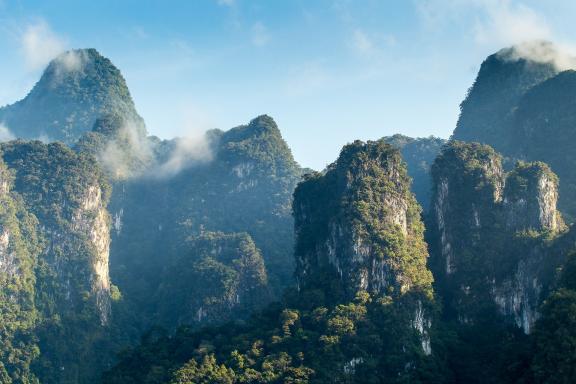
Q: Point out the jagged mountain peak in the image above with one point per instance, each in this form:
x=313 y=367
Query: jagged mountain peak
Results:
x=77 y=87
x=503 y=78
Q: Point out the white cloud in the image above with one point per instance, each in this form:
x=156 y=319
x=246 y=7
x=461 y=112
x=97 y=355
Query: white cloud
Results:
x=506 y=22
x=192 y=149
x=39 y=44
x=495 y=24
x=5 y=133
x=260 y=35
x=187 y=152
x=500 y=22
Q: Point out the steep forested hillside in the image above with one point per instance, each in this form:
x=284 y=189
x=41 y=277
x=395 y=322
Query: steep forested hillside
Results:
x=524 y=109
x=488 y=111
x=19 y=251
x=364 y=309
x=56 y=239
x=77 y=87
x=160 y=220
x=231 y=266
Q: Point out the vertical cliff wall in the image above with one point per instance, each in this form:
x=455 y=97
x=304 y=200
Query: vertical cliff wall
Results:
x=490 y=233
x=360 y=220
x=68 y=194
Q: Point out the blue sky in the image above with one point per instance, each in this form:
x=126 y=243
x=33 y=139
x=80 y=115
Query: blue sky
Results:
x=329 y=72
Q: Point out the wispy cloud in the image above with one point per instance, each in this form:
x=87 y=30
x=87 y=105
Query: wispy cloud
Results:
x=500 y=22
x=6 y=134
x=370 y=44
x=506 y=22
x=496 y=24
x=39 y=44
x=260 y=34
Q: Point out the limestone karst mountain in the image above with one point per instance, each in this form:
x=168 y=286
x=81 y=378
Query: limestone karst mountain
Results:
x=257 y=273
x=245 y=189
x=522 y=105
x=361 y=220
x=492 y=232
x=364 y=306
x=76 y=89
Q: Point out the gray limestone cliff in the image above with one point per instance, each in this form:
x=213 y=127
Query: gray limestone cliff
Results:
x=358 y=229
x=361 y=220
x=491 y=233
x=67 y=194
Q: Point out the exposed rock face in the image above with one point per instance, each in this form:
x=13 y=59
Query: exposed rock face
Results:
x=468 y=183
x=486 y=226
x=530 y=198
x=75 y=90
x=361 y=221
x=68 y=194
x=358 y=229
x=92 y=221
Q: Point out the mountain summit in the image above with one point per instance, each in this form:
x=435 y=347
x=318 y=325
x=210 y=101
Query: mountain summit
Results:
x=76 y=89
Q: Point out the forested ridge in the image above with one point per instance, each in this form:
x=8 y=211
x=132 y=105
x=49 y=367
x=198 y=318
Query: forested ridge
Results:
x=126 y=258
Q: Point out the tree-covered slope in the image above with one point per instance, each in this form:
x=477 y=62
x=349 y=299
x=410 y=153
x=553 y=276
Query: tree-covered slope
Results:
x=497 y=242
x=19 y=251
x=77 y=87
x=524 y=108
x=487 y=112
x=363 y=310
x=67 y=194
x=245 y=187
x=545 y=129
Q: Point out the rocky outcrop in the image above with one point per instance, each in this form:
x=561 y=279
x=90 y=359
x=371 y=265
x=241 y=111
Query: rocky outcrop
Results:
x=530 y=198
x=358 y=229
x=91 y=220
x=360 y=220
x=467 y=183
x=488 y=233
